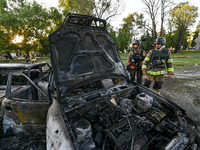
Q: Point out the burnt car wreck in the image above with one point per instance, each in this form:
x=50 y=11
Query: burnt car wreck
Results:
x=95 y=106
x=24 y=98
x=85 y=101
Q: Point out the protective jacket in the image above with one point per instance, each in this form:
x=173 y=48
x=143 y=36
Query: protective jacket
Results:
x=157 y=62
x=135 y=58
x=33 y=58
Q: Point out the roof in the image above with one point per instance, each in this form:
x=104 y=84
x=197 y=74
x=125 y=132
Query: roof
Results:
x=21 y=66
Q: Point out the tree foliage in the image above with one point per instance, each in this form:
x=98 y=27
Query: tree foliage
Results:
x=196 y=33
x=104 y=9
x=107 y=9
x=146 y=42
x=5 y=40
x=84 y=7
x=31 y=21
x=181 y=17
x=34 y=22
x=112 y=33
x=130 y=29
x=172 y=40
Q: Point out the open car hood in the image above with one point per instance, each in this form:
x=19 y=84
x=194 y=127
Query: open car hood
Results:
x=82 y=51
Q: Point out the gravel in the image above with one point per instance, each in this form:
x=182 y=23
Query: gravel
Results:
x=183 y=89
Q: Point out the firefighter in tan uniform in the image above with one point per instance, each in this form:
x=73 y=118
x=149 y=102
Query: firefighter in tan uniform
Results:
x=134 y=62
x=156 y=63
x=33 y=57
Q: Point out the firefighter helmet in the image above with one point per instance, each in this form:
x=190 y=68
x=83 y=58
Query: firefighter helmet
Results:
x=137 y=42
x=161 y=40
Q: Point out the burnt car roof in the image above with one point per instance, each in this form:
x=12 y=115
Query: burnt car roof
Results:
x=82 y=51
x=21 y=66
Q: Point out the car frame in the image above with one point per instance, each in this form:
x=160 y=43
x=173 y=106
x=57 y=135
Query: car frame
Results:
x=97 y=107
x=25 y=98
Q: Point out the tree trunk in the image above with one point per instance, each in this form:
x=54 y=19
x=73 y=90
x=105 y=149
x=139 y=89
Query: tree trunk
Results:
x=177 y=47
x=154 y=33
x=44 y=46
x=181 y=31
x=162 y=17
x=162 y=29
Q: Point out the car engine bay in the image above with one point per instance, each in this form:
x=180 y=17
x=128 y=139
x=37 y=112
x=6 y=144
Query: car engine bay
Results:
x=133 y=121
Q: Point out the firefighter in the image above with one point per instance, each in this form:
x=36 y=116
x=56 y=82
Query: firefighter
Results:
x=33 y=58
x=156 y=63
x=27 y=58
x=134 y=62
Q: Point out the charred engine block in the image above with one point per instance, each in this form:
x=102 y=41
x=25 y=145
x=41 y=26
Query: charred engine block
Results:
x=83 y=131
x=144 y=102
x=130 y=123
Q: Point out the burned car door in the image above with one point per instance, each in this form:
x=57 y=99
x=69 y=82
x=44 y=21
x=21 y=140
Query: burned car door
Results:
x=96 y=107
x=38 y=73
x=25 y=104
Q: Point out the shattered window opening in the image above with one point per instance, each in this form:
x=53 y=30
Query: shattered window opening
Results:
x=93 y=24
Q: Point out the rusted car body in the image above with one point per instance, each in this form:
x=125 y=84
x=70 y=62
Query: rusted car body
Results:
x=25 y=99
x=96 y=107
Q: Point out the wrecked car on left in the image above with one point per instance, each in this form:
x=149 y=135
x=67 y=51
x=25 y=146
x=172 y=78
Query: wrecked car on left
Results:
x=24 y=98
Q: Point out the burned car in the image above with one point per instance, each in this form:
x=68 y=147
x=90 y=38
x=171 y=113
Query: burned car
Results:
x=25 y=99
x=96 y=107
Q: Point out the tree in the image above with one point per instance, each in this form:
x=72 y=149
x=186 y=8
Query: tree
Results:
x=130 y=28
x=112 y=33
x=165 y=10
x=172 y=40
x=5 y=40
x=123 y=39
x=107 y=9
x=84 y=7
x=196 y=33
x=153 y=7
x=182 y=17
x=31 y=21
x=146 y=42
x=104 y=9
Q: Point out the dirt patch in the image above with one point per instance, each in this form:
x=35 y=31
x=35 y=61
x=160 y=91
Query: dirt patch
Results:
x=183 y=89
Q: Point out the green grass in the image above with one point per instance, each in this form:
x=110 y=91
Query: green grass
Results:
x=23 y=61
x=190 y=58
x=185 y=61
x=186 y=54
x=177 y=61
x=124 y=58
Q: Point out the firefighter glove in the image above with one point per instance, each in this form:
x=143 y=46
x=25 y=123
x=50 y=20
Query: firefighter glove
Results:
x=144 y=72
x=128 y=67
x=169 y=75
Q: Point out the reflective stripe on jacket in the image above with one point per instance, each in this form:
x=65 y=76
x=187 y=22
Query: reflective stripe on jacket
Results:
x=158 y=71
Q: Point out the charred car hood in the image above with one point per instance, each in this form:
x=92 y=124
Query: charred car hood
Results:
x=82 y=51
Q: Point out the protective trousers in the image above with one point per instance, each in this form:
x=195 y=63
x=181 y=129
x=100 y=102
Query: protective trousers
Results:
x=157 y=84
x=137 y=72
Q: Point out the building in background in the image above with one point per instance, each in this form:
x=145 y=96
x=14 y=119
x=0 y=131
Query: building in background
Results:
x=197 y=46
